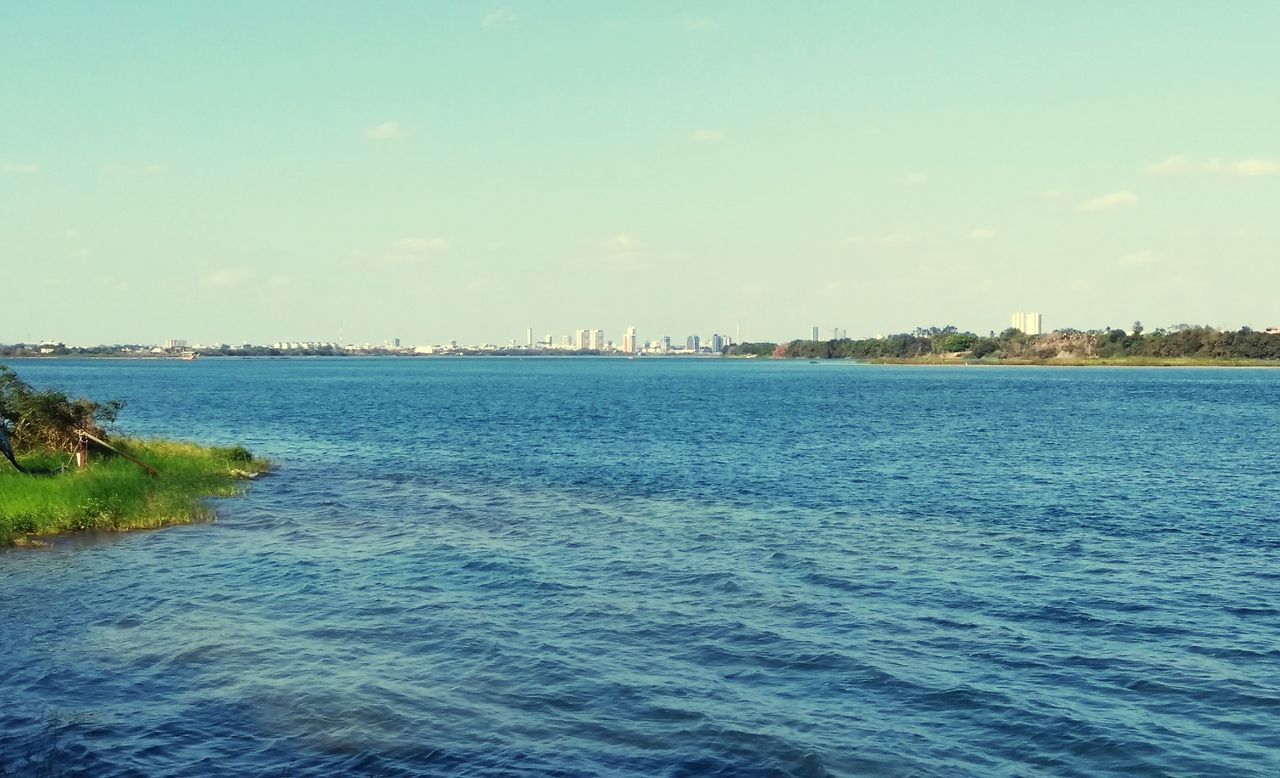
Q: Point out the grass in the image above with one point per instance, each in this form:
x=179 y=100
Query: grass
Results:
x=115 y=494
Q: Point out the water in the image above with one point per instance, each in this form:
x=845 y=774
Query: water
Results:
x=664 y=567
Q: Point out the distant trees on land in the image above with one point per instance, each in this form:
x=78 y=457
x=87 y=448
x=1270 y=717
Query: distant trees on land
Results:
x=1180 y=341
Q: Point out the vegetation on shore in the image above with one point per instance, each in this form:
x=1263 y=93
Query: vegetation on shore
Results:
x=113 y=493
x=44 y=428
x=1179 y=345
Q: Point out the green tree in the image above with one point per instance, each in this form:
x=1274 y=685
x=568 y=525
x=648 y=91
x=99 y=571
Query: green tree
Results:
x=49 y=419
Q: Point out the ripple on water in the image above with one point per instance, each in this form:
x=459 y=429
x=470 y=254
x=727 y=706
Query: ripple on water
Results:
x=670 y=568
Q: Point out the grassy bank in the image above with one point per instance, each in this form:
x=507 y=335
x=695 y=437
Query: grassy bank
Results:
x=115 y=494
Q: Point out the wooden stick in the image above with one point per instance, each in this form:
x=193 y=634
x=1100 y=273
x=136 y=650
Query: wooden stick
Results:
x=151 y=471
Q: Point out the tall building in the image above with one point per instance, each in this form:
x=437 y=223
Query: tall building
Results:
x=666 y=343
x=596 y=341
x=1028 y=322
x=629 y=341
x=717 y=344
x=693 y=343
x=580 y=339
x=814 y=333
x=528 y=336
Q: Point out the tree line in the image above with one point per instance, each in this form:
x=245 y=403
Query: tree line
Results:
x=1180 y=341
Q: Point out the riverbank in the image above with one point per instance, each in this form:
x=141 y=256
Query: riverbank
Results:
x=114 y=494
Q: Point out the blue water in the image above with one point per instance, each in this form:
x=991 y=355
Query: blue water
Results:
x=664 y=567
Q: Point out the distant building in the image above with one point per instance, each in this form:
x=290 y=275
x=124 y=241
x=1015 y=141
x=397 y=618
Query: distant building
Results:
x=528 y=340
x=629 y=341
x=581 y=338
x=1028 y=322
x=693 y=343
x=597 y=340
x=175 y=343
x=813 y=335
x=666 y=344
x=717 y=344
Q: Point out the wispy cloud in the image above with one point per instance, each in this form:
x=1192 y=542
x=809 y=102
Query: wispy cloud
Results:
x=1110 y=200
x=1180 y=164
x=623 y=241
x=133 y=172
x=707 y=136
x=1053 y=194
x=1255 y=167
x=22 y=169
x=699 y=24
x=1138 y=259
x=499 y=17
x=387 y=131
x=981 y=233
x=914 y=178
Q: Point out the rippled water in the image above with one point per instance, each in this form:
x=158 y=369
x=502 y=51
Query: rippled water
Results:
x=664 y=567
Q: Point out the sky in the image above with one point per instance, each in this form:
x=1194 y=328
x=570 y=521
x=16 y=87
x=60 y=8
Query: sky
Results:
x=261 y=171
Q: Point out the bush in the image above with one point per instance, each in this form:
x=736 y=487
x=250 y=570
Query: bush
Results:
x=49 y=420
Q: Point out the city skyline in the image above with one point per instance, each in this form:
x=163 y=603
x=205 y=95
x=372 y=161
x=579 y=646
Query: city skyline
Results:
x=461 y=171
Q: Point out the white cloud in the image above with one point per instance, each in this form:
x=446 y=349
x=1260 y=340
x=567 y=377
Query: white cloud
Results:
x=22 y=169
x=400 y=253
x=1180 y=164
x=1255 y=167
x=421 y=244
x=227 y=276
x=133 y=172
x=1172 y=166
x=699 y=24
x=623 y=241
x=387 y=131
x=1053 y=194
x=1125 y=199
x=982 y=233
x=1138 y=259
x=914 y=178
x=707 y=136
x=499 y=17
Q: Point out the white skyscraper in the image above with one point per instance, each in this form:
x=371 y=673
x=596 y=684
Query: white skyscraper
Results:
x=597 y=340
x=1028 y=322
x=814 y=333
x=581 y=338
x=629 y=341
x=528 y=339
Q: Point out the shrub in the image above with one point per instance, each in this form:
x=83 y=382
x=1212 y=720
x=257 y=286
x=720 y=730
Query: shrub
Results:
x=49 y=419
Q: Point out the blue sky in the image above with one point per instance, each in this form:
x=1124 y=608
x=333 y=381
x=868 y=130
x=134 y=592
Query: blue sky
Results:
x=430 y=171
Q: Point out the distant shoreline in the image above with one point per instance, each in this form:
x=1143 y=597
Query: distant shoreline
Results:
x=1097 y=362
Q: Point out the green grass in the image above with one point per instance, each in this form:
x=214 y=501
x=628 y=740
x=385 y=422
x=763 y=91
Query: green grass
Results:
x=115 y=494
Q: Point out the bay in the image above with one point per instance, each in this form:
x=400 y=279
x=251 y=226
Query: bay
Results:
x=669 y=567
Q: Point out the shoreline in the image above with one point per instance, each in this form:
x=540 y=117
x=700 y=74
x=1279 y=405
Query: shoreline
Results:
x=114 y=495
x=737 y=358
